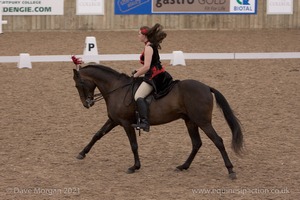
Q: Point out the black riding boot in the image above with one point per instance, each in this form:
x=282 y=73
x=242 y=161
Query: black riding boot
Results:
x=142 y=108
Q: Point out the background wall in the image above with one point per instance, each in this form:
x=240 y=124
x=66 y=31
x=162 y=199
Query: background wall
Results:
x=71 y=22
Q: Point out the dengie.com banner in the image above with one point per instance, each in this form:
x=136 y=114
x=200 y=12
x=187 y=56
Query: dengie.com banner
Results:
x=39 y=7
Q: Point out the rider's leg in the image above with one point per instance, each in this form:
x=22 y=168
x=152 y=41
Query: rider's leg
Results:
x=144 y=90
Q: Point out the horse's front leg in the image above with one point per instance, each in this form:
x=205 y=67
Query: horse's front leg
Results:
x=108 y=126
x=134 y=147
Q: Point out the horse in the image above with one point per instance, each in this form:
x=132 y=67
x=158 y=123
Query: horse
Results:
x=189 y=100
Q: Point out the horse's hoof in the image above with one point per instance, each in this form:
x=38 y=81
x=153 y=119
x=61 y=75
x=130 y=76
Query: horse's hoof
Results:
x=80 y=157
x=232 y=176
x=180 y=168
x=177 y=170
x=130 y=170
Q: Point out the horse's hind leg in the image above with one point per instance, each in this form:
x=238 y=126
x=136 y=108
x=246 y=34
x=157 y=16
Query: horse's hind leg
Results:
x=218 y=141
x=196 y=142
x=108 y=126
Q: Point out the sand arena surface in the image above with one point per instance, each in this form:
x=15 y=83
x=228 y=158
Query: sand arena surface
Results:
x=44 y=125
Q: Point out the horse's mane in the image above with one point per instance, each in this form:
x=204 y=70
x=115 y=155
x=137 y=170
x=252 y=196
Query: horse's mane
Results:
x=107 y=69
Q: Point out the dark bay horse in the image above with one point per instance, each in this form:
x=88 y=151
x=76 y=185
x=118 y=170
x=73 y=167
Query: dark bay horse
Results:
x=189 y=100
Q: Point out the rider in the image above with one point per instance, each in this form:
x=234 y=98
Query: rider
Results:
x=155 y=76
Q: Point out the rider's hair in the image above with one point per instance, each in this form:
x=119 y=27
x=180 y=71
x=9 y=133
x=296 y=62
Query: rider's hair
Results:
x=155 y=34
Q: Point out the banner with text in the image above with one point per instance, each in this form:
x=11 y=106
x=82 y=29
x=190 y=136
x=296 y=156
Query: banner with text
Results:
x=90 y=7
x=280 y=7
x=138 y=7
x=41 y=7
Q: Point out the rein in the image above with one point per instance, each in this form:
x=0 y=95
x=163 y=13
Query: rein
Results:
x=100 y=96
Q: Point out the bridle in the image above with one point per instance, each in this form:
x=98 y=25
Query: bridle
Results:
x=100 y=96
x=85 y=94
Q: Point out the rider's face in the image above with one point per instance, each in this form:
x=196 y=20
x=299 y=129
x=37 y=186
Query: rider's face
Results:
x=142 y=37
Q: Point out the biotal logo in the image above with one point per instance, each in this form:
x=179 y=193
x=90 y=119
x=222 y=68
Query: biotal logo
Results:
x=243 y=2
x=243 y=6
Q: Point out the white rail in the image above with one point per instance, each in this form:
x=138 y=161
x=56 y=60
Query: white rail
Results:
x=128 y=57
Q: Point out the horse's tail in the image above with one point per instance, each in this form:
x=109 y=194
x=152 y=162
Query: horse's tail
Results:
x=232 y=121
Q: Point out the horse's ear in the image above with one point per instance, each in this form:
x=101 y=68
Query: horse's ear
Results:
x=76 y=73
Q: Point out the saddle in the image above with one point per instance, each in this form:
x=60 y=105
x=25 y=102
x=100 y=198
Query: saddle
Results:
x=160 y=88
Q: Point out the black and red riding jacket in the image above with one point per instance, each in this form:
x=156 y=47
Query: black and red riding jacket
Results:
x=155 y=66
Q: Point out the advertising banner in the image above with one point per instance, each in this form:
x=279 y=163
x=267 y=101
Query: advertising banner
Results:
x=134 y=7
x=39 y=7
x=90 y=7
x=280 y=7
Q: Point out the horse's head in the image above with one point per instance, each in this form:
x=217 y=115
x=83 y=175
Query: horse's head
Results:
x=85 y=89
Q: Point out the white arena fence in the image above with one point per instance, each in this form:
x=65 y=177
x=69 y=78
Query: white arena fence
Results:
x=90 y=54
x=133 y=57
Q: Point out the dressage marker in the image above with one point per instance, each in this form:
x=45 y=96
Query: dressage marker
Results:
x=24 y=61
x=91 y=50
x=178 y=58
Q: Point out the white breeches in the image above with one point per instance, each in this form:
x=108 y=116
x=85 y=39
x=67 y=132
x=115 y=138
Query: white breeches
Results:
x=144 y=90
